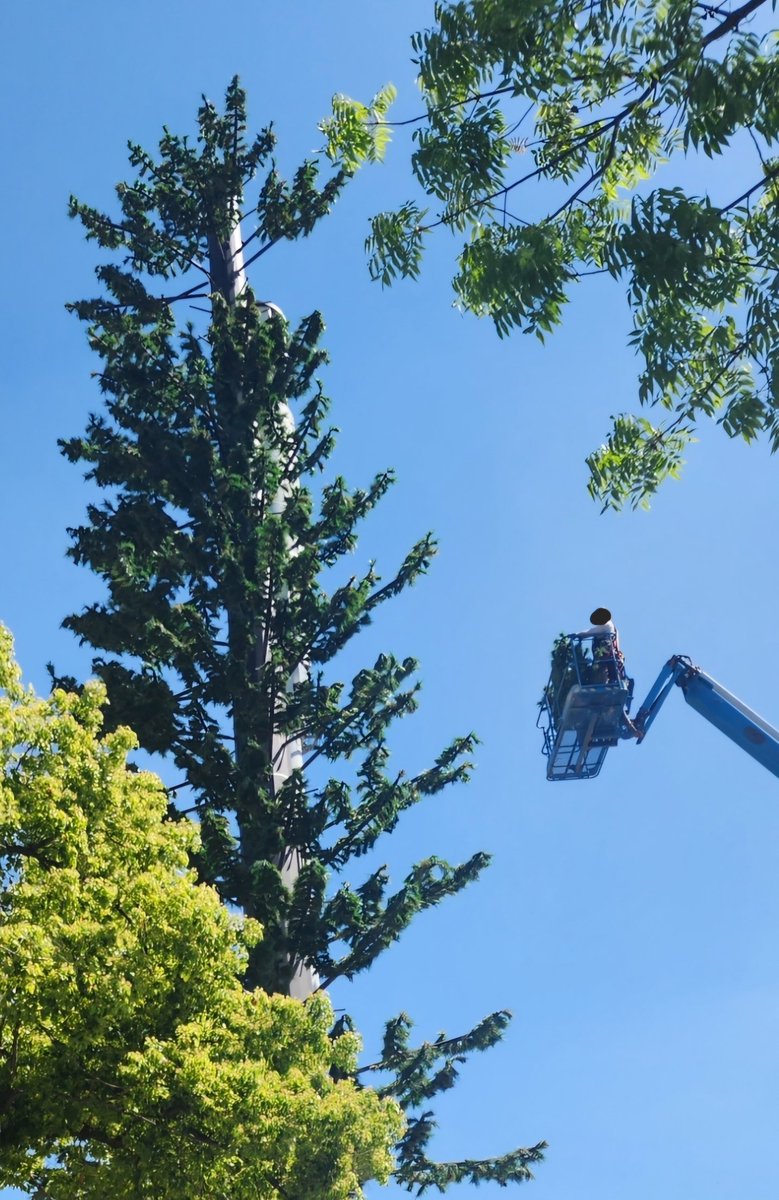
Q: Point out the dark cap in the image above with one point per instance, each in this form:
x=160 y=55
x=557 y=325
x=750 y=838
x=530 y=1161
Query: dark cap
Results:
x=601 y=616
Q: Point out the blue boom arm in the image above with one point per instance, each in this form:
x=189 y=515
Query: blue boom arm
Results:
x=719 y=706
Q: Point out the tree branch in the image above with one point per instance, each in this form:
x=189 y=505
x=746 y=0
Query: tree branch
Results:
x=732 y=21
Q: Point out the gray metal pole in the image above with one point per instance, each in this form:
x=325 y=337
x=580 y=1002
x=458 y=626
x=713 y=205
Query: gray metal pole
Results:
x=229 y=276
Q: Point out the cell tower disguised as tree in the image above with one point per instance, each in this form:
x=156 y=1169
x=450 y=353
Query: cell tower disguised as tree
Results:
x=217 y=635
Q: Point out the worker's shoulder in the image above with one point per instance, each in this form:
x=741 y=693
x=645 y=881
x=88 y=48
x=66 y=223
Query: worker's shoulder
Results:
x=607 y=630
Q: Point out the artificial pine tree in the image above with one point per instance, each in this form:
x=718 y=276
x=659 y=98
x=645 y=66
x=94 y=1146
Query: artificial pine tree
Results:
x=216 y=635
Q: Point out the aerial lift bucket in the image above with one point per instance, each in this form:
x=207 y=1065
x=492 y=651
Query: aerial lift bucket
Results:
x=583 y=708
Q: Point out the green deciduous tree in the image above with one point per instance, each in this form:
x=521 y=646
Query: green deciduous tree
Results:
x=220 y=550
x=133 y=1062
x=544 y=124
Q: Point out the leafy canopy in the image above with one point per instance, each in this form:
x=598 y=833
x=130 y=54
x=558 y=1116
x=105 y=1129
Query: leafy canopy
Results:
x=544 y=127
x=132 y=1060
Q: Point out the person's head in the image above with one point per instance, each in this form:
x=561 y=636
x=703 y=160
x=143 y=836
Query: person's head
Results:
x=601 y=616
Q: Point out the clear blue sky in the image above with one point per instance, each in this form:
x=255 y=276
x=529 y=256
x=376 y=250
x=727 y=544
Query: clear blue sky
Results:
x=630 y=923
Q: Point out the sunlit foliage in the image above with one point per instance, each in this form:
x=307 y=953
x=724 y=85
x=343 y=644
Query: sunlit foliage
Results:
x=544 y=128
x=133 y=1062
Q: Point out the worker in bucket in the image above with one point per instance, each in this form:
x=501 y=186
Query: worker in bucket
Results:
x=607 y=660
